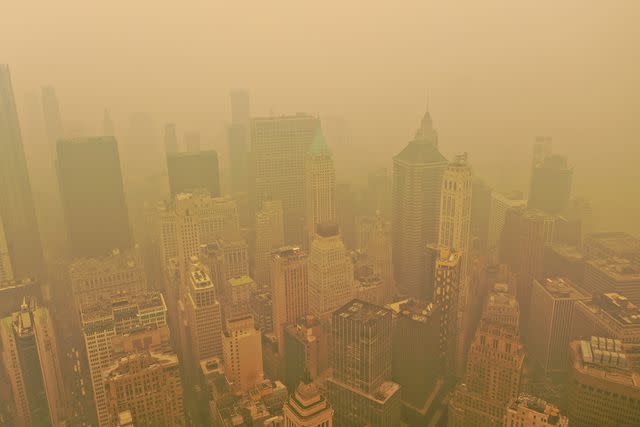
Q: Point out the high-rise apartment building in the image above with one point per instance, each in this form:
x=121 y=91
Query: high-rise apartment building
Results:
x=550 y=184
x=148 y=385
x=93 y=196
x=320 y=185
x=32 y=362
x=269 y=236
x=416 y=195
x=500 y=204
x=278 y=147
x=494 y=367
x=553 y=303
x=242 y=350
x=110 y=318
x=306 y=407
x=361 y=390
x=194 y=171
x=603 y=386
x=330 y=272
x=289 y=289
x=104 y=276
x=17 y=211
x=530 y=411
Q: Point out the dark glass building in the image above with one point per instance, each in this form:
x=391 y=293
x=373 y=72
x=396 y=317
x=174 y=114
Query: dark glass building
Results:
x=194 y=171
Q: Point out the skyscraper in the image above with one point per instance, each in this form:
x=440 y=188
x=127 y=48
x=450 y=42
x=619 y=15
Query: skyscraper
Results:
x=306 y=407
x=192 y=171
x=17 y=211
x=553 y=303
x=500 y=204
x=269 y=236
x=330 y=272
x=494 y=367
x=279 y=146
x=148 y=384
x=6 y=271
x=379 y=251
x=170 y=140
x=361 y=390
x=93 y=196
x=550 y=184
x=242 y=349
x=289 y=289
x=306 y=350
x=320 y=184
x=32 y=362
x=416 y=193
x=52 y=118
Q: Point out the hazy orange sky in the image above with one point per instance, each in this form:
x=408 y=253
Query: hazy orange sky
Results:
x=497 y=72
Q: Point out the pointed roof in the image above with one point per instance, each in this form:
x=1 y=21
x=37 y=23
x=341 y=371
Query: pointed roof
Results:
x=424 y=147
x=319 y=144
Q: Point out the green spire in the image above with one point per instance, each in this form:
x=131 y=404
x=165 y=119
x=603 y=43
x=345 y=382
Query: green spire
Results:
x=319 y=145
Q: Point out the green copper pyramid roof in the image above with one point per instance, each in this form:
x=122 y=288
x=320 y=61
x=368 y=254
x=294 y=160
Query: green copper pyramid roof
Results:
x=318 y=144
x=421 y=151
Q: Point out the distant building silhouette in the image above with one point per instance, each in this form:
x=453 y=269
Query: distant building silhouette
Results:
x=194 y=170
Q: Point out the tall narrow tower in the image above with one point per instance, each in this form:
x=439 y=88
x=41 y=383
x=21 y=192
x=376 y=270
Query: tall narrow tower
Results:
x=17 y=211
x=417 y=186
x=320 y=184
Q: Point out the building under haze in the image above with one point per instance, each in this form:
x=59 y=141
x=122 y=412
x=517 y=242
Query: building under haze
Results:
x=32 y=363
x=242 y=351
x=93 y=196
x=320 y=184
x=278 y=149
x=417 y=186
x=551 y=180
x=194 y=171
x=239 y=141
x=500 y=204
x=361 y=390
x=530 y=411
x=306 y=407
x=269 y=229
x=17 y=210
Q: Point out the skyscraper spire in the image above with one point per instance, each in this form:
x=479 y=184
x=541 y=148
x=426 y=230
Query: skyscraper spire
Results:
x=426 y=131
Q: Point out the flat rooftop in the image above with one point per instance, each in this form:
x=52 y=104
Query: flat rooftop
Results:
x=618 y=307
x=562 y=287
x=362 y=311
x=619 y=269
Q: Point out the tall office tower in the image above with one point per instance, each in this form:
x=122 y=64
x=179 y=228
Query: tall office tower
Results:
x=566 y=261
x=279 y=146
x=550 y=184
x=52 y=118
x=480 y=214
x=170 y=140
x=238 y=140
x=226 y=259
x=379 y=251
x=542 y=147
x=32 y=362
x=417 y=187
x=361 y=390
x=16 y=200
x=93 y=196
x=269 y=236
x=330 y=272
x=377 y=195
x=494 y=367
x=613 y=275
x=93 y=278
x=6 y=271
x=203 y=316
x=320 y=184
x=306 y=350
x=500 y=204
x=242 y=349
x=607 y=315
x=347 y=210
x=147 y=384
x=446 y=273
x=530 y=411
x=306 y=407
x=604 y=386
x=553 y=303
x=193 y=171
x=239 y=291
x=524 y=238
x=108 y=128
x=416 y=359
x=289 y=289
x=613 y=244
x=108 y=319
x=202 y=219
x=192 y=142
